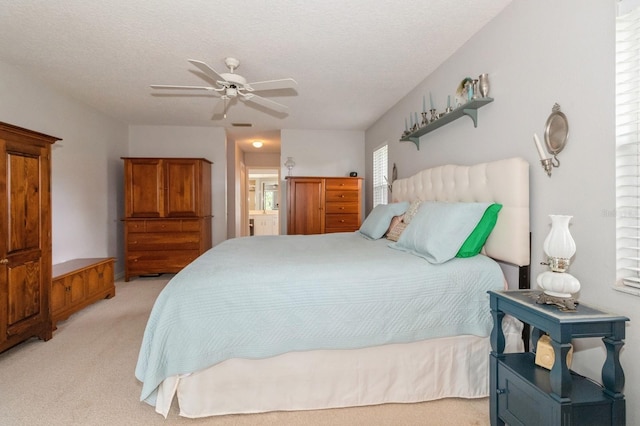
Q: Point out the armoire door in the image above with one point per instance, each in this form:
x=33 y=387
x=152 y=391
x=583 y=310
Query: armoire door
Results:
x=144 y=187
x=305 y=206
x=25 y=246
x=182 y=182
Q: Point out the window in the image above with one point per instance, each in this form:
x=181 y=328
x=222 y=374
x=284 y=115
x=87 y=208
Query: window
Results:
x=628 y=151
x=380 y=168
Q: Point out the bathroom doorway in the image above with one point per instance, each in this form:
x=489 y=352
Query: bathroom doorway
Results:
x=263 y=201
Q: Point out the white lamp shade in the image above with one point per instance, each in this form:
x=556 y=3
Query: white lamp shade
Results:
x=559 y=243
x=290 y=164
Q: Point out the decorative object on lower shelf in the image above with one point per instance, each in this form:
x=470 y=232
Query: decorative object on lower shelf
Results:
x=546 y=357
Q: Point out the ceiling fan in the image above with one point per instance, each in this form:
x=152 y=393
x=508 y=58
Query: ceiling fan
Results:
x=230 y=85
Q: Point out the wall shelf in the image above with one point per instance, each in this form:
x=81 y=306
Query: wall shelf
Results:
x=469 y=109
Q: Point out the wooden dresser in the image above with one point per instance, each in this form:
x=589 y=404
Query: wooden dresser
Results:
x=25 y=235
x=319 y=205
x=167 y=213
x=78 y=283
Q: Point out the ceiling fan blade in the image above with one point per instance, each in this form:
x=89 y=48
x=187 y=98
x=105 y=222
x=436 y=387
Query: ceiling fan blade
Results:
x=267 y=103
x=166 y=86
x=207 y=70
x=285 y=83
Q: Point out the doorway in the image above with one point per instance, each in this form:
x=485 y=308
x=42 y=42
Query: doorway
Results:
x=263 y=201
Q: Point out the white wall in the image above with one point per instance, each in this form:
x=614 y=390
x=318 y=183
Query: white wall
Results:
x=323 y=152
x=536 y=54
x=319 y=153
x=86 y=173
x=195 y=142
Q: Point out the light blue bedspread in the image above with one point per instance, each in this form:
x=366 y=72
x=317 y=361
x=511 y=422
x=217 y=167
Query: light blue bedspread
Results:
x=258 y=297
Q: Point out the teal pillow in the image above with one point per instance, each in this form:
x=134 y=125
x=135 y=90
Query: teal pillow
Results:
x=439 y=229
x=377 y=223
x=474 y=242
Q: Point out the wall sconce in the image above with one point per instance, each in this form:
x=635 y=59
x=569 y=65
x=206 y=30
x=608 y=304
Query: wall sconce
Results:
x=558 y=285
x=289 y=164
x=556 y=133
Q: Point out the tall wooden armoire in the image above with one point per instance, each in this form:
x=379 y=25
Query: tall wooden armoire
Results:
x=167 y=213
x=25 y=235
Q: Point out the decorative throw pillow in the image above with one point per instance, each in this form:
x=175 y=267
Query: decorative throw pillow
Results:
x=438 y=230
x=411 y=211
x=394 y=221
x=377 y=223
x=396 y=231
x=474 y=242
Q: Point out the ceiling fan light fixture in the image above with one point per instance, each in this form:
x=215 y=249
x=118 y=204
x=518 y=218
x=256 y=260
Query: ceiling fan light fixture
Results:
x=257 y=144
x=230 y=86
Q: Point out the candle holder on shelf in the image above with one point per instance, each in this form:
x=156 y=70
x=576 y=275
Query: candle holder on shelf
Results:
x=434 y=114
x=425 y=120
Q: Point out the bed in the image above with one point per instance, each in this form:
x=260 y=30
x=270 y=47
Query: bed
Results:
x=308 y=322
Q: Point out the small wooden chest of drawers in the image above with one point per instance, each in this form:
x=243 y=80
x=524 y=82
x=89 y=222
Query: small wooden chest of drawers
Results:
x=78 y=283
x=342 y=204
x=319 y=205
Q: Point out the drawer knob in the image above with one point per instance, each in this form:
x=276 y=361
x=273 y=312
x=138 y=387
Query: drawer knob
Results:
x=342 y=220
x=501 y=391
x=342 y=196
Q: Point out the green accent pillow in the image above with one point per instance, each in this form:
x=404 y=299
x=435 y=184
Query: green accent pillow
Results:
x=475 y=241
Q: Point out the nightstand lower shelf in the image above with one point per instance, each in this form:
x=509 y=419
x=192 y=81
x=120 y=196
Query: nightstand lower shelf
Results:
x=525 y=396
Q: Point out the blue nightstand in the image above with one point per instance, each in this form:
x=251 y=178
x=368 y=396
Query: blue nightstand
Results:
x=523 y=393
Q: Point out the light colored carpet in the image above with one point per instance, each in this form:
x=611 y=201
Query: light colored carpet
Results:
x=85 y=376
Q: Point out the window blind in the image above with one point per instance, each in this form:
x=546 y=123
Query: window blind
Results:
x=628 y=152
x=380 y=168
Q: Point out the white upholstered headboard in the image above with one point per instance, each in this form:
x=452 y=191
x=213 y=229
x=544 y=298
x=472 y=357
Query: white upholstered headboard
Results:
x=503 y=181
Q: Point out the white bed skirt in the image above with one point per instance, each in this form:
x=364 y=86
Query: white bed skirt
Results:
x=399 y=373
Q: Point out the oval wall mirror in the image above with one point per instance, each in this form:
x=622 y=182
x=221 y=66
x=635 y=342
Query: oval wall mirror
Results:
x=556 y=130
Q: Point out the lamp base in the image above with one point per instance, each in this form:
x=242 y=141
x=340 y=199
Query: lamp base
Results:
x=558 y=284
x=564 y=303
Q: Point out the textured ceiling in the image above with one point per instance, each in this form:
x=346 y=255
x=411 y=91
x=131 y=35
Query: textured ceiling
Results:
x=352 y=59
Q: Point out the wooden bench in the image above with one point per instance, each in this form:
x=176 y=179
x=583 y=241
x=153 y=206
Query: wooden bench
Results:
x=78 y=283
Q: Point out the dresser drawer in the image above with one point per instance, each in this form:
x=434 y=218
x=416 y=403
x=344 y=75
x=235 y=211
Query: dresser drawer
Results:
x=158 y=262
x=345 y=195
x=190 y=225
x=341 y=221
x=342 y=207
x=135 y=225
x=339 y=184
x=164 y=241
x=163 y=226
